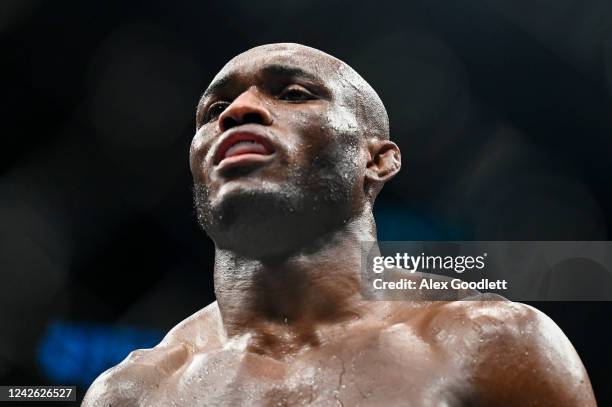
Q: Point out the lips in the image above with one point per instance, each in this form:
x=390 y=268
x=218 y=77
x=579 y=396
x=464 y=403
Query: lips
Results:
x=242 y=144
x=245 y=147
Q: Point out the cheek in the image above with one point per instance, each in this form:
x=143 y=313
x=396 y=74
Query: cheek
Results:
x=346 y=138
x=343 y=121
x=334 y=145
x=197 y=152
x=336 y=123
x=348 y=147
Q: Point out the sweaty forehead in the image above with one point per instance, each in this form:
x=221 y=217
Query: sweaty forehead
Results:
x=300 y=55
x=324 y=67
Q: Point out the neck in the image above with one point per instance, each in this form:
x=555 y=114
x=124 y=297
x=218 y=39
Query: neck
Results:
x=286 y=302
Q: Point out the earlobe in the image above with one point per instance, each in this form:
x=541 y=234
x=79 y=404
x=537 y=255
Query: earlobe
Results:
x=384 y=160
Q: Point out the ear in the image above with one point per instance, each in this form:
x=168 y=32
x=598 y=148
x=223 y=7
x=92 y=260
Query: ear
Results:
x=384 y=161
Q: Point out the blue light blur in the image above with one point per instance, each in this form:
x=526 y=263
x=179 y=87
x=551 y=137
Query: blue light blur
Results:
x=77 y=352
x=396 y=223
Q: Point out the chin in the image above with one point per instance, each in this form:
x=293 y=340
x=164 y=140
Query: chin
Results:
x=253 y=221
x=262 y=218
x=233 y=193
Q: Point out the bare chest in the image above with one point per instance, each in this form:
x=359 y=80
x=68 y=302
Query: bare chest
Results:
x=391 y=368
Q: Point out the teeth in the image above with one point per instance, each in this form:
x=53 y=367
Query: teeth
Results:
x=246 y=146
x=243 y=142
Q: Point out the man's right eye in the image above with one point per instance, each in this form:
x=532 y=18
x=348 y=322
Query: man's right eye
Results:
x=214 y=111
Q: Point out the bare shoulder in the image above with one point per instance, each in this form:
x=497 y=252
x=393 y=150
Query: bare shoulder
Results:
x=138 y=377
x=485 y=314
x=199 y=332
x=518 y=355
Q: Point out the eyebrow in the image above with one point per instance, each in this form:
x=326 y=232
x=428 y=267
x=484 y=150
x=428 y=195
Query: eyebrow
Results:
x=289 y=71
x=217 y=85
x=280 y=70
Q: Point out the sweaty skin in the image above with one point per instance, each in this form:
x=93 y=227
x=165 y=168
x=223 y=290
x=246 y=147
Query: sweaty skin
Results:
x=287 y=216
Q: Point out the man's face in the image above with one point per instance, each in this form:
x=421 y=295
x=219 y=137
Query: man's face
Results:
x=278 y=148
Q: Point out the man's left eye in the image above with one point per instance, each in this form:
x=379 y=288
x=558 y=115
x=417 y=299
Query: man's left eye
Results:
x=296 y=93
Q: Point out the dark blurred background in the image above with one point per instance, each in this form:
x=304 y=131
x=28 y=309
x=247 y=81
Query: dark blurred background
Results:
x=502 y=110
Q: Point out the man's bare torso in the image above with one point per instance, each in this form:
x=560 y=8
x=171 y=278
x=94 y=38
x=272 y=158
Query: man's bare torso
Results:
x=416 y=353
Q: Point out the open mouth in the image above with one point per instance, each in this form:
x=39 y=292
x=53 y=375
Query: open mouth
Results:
x=243 y=147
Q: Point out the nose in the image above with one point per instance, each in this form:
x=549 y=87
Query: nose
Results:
x=246 y=108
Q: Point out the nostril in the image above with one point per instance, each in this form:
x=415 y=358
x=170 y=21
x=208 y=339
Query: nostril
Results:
x=252 y=118
x=227 y=123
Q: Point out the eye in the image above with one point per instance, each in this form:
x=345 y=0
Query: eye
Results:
x=214 y=111
x=296 y=93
